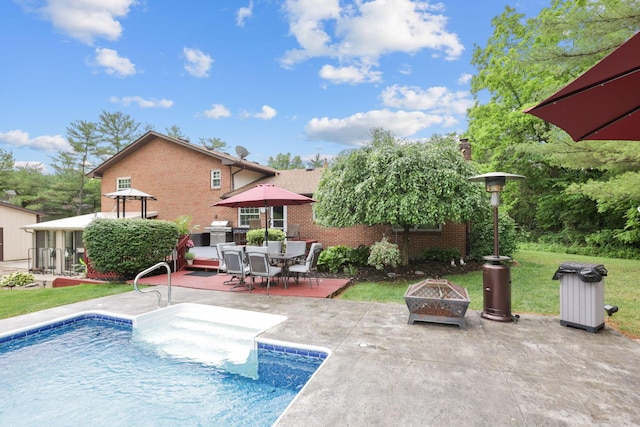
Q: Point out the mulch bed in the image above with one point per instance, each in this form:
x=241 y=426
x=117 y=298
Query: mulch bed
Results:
x=416 y=270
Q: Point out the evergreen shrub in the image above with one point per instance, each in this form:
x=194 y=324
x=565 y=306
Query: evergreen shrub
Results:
x=128 y=246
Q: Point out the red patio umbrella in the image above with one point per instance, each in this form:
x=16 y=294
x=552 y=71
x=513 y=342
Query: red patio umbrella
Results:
x=264 y=195
x=604 y=102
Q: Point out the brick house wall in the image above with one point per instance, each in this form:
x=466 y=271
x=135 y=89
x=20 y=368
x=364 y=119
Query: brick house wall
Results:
x=178 y=175
x=179 y=178
x=451 y=236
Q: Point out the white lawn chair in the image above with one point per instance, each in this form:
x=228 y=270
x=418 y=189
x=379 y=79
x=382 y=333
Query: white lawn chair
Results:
x=310 y=266
x=260 y=266
x=236 y=266
x=220 y=248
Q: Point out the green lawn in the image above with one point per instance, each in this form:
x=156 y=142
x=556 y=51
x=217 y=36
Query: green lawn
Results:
x=16 y=302
x=532 y=290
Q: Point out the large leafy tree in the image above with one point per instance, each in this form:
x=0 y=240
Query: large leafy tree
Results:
x=283 y=161
x=215 y=144
x=523 y=62
x=317 y=161
x=6 y=170
x=175 y=132
x=84 y=139
x=399 y=182
x=117 y=130
x=29 y=184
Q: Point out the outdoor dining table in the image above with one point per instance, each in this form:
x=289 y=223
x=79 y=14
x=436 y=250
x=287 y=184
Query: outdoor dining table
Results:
x=287 y=260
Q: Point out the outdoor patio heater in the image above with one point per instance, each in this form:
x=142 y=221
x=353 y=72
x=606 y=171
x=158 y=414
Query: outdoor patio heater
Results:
x=496 y=274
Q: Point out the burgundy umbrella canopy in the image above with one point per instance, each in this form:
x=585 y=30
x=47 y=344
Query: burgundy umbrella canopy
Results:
x=604 y=102
x=264 y=196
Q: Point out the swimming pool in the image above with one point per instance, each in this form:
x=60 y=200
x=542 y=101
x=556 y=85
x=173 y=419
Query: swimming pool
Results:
x=87 y=370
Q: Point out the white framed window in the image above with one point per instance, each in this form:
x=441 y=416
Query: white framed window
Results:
x=123 y=183
x=216 y=178
x=245 y=214
x=423 y=227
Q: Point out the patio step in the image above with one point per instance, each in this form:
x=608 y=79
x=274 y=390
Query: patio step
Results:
x=203 y=264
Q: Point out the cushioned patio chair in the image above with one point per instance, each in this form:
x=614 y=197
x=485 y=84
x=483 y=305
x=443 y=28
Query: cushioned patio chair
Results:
x=260 y=266
x=309 y=267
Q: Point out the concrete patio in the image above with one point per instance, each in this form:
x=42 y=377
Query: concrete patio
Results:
x=385 y=372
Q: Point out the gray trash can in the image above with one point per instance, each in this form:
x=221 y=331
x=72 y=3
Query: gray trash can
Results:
x=581 y=295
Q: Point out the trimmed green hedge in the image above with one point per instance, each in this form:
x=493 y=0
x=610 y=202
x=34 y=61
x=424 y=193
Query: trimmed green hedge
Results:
x=128 y=246
x=256 y=237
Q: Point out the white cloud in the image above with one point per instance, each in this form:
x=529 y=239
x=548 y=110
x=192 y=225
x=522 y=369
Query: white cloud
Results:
x=356 y=128
x=198 y=63
x=464 y=78
x=435 y=99
x=142 y=103
x=217 y=111
x=243 y=14
x=406 y=69
x=267 y=113
x=397 y=26
x=86 y=20
x=20 y=138
x=306 y=24
x=365 y=30
x=350 y=74
x=30 y=165
x=114 y=64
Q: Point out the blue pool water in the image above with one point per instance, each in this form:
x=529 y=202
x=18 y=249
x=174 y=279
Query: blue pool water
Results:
x=88 y=371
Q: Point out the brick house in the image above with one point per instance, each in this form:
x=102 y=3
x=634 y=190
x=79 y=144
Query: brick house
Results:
x=186 y=179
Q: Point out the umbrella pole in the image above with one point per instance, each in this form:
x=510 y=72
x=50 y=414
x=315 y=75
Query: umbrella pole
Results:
x=266 y=224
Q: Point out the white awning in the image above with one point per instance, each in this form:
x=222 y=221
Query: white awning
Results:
x=80 y=222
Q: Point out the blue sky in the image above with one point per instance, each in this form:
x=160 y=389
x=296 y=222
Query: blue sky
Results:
x=297 y=76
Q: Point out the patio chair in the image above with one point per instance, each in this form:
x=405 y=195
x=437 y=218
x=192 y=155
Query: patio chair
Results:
x=220 y=248
x=274 y=246
x=293 y=231
x=255 y=223
x=297 y=247
x=237 y=267
x=310 y=266
x=260 y=266
x=262 y=249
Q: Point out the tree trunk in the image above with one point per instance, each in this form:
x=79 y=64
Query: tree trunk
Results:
x=405 y=245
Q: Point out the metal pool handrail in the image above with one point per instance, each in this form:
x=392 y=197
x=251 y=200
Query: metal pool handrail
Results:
x=148 y=270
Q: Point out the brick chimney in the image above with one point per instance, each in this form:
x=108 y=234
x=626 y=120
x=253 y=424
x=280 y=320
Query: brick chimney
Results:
x=465 y=148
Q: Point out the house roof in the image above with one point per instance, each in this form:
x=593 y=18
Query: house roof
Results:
x=301 y=181
x=80 y=222
x=151 y=135
x=19 y=208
